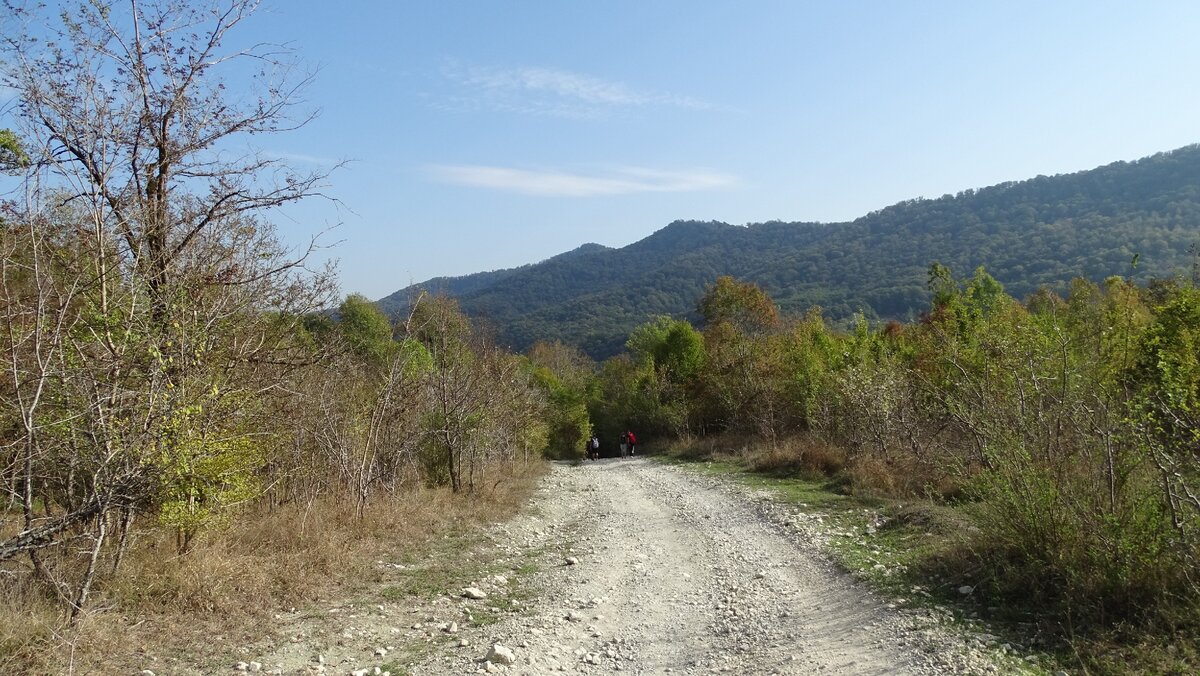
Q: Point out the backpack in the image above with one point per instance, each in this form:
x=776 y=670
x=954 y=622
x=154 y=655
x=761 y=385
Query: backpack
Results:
x=595 y=442
x=632 y=439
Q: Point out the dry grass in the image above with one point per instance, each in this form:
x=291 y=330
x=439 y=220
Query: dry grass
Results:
x=875 y=477
x=802 y=456
x=707 y=447
x=225 y=591
x=808 y=456
x=805 y=457
x=902 y=475
x=29 y=623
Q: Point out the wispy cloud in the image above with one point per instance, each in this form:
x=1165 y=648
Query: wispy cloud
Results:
x=551 y=91
x=301 y=158
x=556 y=183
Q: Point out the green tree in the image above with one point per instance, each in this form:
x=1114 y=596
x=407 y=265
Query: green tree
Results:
x=626 y=398
x=12 y=154
x=366 y=329
x=566 y=376
x=671 y=352
x=1167 y=415
x=809 y=351
x=743 y=376
x=671 y=345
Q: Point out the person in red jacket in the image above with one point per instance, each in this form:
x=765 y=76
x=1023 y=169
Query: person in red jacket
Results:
x=632 y=443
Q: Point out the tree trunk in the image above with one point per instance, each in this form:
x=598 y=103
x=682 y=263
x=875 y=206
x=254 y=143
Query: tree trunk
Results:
x=35 y=538
x=85 y=585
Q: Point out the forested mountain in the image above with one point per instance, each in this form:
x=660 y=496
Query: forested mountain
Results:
x=1041 y=231
x=467 y=284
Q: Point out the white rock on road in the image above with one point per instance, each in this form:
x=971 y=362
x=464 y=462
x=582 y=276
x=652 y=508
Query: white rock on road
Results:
x=501 y=655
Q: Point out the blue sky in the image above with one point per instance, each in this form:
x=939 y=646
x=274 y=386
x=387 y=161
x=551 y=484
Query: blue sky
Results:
x=486 y=135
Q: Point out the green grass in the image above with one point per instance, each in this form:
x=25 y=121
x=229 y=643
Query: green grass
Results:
x=445 y=566
x=425 y=582
x=448 y=565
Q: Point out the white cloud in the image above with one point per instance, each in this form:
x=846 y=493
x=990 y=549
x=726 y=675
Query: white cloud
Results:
x=556 y=82
x=554 y=92
x=556 y=183
x=301 y=158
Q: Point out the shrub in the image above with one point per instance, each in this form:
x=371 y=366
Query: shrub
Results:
x=805 y=456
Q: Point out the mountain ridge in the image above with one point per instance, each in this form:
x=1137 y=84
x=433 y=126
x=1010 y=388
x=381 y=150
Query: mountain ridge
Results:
x=1044 y=230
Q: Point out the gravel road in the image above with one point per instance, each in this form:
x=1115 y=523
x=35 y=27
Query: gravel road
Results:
x=653 y=570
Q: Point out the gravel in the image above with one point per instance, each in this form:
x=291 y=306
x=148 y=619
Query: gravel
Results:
x=667 y=572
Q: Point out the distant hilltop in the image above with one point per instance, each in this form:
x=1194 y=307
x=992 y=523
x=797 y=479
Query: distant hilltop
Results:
x=1042 y=231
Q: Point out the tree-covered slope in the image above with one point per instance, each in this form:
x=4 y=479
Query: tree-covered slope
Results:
x=1045 y=230
x=458 y=287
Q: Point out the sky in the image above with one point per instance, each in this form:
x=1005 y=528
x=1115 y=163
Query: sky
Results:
x=483 y=135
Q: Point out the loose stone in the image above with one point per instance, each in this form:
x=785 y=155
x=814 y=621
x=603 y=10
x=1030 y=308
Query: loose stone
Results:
x=501 y=655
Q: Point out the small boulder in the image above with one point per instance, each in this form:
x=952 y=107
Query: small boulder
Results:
x=501 y=655
x=474 y=593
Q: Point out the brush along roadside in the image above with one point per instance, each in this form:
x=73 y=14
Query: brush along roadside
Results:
x=256 y=587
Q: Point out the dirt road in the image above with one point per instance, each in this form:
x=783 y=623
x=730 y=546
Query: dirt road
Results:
x=653 y=570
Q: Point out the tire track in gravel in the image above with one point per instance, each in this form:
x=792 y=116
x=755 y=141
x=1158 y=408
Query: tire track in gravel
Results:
x=675 y=574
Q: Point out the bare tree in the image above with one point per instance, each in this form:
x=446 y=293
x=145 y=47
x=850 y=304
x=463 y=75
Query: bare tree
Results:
x=366 y=425
x=165 y=312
